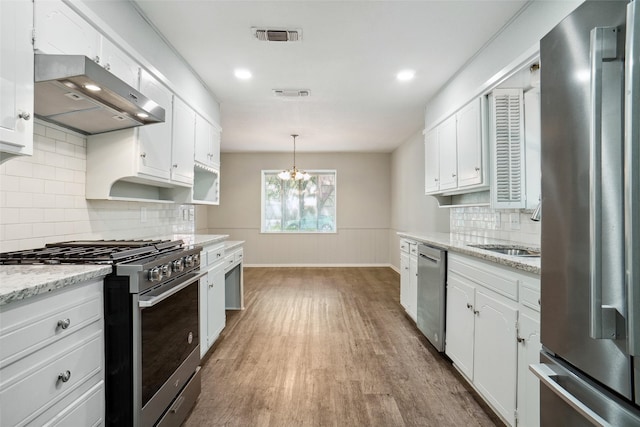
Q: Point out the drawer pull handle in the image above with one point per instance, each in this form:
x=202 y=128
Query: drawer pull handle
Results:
x=469 y=306
x=64 y=323
x=64 y=376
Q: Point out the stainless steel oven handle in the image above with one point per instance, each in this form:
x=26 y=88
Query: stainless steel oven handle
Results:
x=434 y=260
x=547 y=376
x=151 y=301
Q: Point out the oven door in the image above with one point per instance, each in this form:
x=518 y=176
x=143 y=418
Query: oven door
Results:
x=169 y=343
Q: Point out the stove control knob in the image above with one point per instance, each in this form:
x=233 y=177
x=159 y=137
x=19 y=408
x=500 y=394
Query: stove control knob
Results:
x=188 y=260
x=155 y=274
x=178 y=265
x=166 y=270
x=196 y=259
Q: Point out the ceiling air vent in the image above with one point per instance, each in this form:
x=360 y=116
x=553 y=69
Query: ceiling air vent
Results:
x=277 y=34
x=291 y=93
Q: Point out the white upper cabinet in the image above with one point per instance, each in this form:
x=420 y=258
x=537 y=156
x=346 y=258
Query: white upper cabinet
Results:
x=470 y=145
x=155 y=140
x=455 y=152
x=184 y=122
x=207 y=143
x=119 y=63
x=506 y=132
x=431 y=162
x=448 y=153
x=59 y=30
x=16 y=79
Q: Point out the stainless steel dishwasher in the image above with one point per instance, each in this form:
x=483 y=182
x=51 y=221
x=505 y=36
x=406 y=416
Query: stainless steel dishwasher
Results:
x=432 y=275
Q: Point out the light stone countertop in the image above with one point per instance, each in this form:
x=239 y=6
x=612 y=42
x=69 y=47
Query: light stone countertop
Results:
x=195 y=239
x=460 y=243
x=18 y=282
x=231 y=245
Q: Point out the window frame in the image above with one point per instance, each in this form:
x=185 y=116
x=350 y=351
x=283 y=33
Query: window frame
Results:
x=265 y=172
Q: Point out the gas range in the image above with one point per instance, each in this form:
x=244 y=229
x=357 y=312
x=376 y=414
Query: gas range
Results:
x=147 y=263
x=151 y=327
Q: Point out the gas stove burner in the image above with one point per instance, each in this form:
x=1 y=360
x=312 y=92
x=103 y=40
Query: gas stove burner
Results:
x=92 y=252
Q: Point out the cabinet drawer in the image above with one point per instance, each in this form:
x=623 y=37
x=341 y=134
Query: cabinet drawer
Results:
x=404 y=245
x=36 y=383
x=87 y=410
x=229 y=261
x=237 y=257
x=413 y=249
x=42 y=320
x=530 y=296
x=214 y=254
x=494 y=278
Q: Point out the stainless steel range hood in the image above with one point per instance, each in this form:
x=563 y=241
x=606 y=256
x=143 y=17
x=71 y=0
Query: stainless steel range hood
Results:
x=75 y=92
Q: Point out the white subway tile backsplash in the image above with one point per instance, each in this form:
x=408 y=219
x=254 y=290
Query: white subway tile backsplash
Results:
x=42 y=199
x=486 y=222
x=55 y=133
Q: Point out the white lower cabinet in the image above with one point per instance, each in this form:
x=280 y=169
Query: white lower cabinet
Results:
x=52 y=358
x=493 y=334
x=409 y=277
x=212 y=296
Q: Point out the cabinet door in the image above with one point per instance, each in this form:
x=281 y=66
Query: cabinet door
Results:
x=431 y=162
x=155 y=140
x=448 y=154
x=204 y=141
x=404 y=281
x=413 y=281
x=216 y=317
x=469 y=140
x=215 y=148
x=16 y=77
x=528 y=385
x=460 y=323
x=495 y=355
x=59 y=30
x=184 y=122
x=119 y=63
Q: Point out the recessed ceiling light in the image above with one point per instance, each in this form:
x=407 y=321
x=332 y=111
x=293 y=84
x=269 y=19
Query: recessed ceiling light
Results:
x=405 y=75
x=242 y=74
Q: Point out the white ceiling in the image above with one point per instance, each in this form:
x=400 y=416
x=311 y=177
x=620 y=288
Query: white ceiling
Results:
x=348 y=58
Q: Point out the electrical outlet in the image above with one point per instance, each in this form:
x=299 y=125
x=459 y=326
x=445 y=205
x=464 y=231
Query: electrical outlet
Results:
x=143 y=214
x=514 y=219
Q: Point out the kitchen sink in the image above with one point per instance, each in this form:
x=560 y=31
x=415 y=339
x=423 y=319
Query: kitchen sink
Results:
x=510 y=250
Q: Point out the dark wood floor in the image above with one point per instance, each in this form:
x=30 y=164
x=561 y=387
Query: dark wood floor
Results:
x=328 y=347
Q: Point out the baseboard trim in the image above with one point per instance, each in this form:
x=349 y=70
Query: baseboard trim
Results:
x=318 y=265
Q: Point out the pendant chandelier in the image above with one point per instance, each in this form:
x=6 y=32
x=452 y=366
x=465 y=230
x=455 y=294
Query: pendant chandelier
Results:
x=294 y=173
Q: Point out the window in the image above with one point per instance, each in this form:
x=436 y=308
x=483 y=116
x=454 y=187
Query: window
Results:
x=299 y=206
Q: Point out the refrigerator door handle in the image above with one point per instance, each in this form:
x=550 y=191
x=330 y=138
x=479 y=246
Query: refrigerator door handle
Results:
x=602 y=319
x=632 y=174
x=548 y=378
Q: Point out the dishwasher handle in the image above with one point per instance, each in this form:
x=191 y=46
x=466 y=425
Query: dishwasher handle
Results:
x=427 y=257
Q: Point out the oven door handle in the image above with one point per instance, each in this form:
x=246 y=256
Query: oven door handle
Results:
x=146 y=302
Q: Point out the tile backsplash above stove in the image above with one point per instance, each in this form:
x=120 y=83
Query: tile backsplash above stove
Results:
x=42 y=199
x=504 y=224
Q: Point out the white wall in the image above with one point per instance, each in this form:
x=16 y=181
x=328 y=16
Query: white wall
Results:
x=411 y=210
x=42 y=199
x=363 y=210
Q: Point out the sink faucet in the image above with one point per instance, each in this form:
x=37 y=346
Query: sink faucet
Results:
x=537 y=213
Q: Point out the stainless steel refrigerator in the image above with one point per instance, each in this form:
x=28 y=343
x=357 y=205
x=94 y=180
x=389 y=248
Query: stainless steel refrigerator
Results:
x=590 y=315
